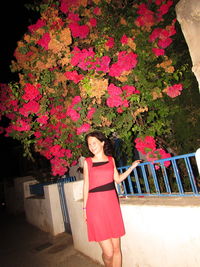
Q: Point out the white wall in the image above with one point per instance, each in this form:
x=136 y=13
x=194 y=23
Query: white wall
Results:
x=45 y=212
x=160 y=232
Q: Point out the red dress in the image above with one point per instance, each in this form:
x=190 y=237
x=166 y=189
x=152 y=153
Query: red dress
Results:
x=104 y=218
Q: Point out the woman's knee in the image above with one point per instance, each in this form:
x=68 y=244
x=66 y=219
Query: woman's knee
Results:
x=108 y=255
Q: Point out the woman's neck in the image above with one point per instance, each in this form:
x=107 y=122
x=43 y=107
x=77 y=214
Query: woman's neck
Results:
x=100 y=157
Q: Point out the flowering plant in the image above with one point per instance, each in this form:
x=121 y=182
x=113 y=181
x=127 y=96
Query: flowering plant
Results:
x=93 y=64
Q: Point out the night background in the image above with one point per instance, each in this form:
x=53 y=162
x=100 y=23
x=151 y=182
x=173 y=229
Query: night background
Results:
x=13 y=27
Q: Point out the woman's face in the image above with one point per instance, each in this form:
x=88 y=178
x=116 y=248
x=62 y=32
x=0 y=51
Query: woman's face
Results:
x=95 y=146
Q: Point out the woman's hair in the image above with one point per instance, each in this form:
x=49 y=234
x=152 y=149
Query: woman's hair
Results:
x=101 y=137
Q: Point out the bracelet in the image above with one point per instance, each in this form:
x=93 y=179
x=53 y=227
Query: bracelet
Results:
x=84 y=208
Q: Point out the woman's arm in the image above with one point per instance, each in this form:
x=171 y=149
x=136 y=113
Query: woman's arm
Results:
x=119 y=177
x=85 y=184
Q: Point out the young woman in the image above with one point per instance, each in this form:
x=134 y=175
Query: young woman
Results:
x=100 y=202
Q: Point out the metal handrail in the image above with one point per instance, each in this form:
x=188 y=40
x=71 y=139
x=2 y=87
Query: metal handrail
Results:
x=181 y=178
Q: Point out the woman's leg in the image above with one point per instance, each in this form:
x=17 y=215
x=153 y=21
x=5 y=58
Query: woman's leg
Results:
x=117 y=255
x=107 y=252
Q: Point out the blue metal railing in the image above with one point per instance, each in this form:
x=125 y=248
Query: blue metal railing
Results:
x=180 y=178
x=38 y=189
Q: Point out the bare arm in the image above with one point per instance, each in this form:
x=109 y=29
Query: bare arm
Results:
x=119 y=177
x=85 y=184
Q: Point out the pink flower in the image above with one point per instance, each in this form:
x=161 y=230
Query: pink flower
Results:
x=175 y=90
x=158 y=51
x=31 y=92
x=110 y=43
x=21 y=125
x=125 y=103
x=144 y=145
x=74 y=76
x=66 y=4
x=158 y=2
x=59 y=166
x=44 y=41
x=114 y=90
x=43 y=119
x=83 y=128
x=77 y=99
x=72 y=17
x=155 y=34
x=37 y=134
x=68 y=153
x=126 y=61
x=146 y=17
x=120 y=110
x=39 y=24
x=55 y=150
x=73 y=114
x=164 y=43
x=114 y=101
x=97 y=11
x=129 y=89
x=102 y=64
x=31 y=107
x=90 y=113
x=124 y=39
x=79 y=30
x=164 y=155
x=164 y=8
x=74 y=163
x=93 y=22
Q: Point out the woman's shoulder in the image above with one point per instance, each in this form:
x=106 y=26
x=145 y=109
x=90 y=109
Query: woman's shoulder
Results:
x=88 y=159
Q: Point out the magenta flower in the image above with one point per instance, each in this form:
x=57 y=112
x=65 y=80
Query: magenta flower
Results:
x=68 y=153
x=129 y=89
x=93 y=22
x=164 y=43
x=164 y=8
x=73 y=114
x=72 y=17
x=37 y=134
x=158 y=51
x=44 y=41
x=43 y=119
x=114 y=90
x=74 y=76
x=21 y=125
x=110 y=43
x=83 y=128
x=144 y=145
x=114 y=101
x=80 y=31
x=77 y=99
x=90 y=113
x=31 y=107
x=31 y=92
x=175 y=90
x=97 y=11
x=39 y=24
x=124 y=39
x=126 y=61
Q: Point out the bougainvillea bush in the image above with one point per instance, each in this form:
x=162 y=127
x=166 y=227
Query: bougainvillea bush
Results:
x=93 y=64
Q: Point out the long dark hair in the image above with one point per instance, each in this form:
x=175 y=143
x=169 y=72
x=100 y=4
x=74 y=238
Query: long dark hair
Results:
x=108 y=150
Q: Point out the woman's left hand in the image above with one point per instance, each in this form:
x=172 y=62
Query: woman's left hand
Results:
x=135 y=163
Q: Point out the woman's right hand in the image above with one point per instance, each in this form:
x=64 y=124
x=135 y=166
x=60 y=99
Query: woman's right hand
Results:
x=84 y=215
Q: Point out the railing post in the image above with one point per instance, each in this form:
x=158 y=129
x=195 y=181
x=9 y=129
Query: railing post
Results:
x=197 y=156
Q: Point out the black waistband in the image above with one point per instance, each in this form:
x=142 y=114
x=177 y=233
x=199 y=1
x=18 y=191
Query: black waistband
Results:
x=105 y=187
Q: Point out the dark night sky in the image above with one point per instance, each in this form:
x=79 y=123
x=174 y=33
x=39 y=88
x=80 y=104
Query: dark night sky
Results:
x=13 y=25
